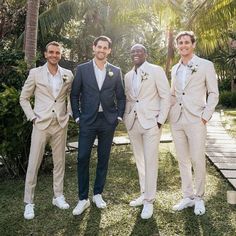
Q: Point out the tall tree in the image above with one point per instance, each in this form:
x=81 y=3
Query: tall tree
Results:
x=31 y=32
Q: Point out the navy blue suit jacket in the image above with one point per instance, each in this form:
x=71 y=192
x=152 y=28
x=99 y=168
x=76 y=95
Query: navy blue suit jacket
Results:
x=86 y=96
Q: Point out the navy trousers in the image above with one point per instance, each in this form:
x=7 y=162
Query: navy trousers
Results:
x=87 y=134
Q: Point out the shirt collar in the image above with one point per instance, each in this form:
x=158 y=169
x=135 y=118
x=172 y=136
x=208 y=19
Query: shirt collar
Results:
x=59 y=70
x=96 y=67
x=142 y=67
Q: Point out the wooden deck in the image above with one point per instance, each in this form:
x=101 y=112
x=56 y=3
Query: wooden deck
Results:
x=221 y=149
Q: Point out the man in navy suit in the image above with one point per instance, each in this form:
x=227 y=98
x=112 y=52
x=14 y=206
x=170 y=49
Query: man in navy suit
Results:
x=98 y=103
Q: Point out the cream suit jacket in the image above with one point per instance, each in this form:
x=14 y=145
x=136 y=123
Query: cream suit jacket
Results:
x=200 y=94
x=153 y=100
x=46 y=106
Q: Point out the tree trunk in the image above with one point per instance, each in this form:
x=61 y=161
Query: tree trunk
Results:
x=170 y=51
x=31 y=31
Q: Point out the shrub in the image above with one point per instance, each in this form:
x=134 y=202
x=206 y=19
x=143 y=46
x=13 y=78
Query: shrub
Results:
x=228 y=99
x=15 y=133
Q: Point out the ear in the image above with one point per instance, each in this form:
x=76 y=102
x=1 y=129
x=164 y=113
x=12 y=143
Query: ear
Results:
x=45 y=54
x=194 y=45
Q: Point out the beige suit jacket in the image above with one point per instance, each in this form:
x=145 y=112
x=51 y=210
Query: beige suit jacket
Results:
x=153 y=100
x=46 y=106
x=200 y=94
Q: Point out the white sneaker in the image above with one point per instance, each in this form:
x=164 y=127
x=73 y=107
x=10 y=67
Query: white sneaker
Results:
x=199 y=208
x=81 y=207
x=60 y=202
x=100 y=203
x=137 y=202
x=147 y=211
x=184 y=203
x=29 y=211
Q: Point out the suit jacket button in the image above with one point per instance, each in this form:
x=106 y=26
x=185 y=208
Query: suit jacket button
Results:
x=55 y=100
x=180 y=104
x=52 y=110
x=137 y=101
x=183 y=93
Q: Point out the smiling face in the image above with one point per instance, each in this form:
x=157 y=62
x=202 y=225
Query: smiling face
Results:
x=53 y=54
x=185 y=46
x=138 y=55
x=101 y=50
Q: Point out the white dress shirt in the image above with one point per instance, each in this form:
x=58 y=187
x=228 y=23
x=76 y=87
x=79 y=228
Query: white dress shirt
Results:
x=100 y=77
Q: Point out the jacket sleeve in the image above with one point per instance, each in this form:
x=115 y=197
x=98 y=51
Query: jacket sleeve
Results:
x=163 y=88
x=75 y=93
x=120 y=95
x=26 y=93
x=212 y=92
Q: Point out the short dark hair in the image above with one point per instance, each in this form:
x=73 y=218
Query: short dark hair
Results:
x=102 y=38
x=141 y=46
x=186 y=33
x=54 y=43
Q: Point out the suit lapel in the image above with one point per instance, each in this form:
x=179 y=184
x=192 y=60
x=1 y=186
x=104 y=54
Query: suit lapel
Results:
x=92 y=76
x=190 y=73
x=108 y=68
x=45 y=79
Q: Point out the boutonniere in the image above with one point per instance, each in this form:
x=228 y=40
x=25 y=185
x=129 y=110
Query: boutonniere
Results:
x=110 y=72
x=65 y=78
x=193 y=68
x=144 y=75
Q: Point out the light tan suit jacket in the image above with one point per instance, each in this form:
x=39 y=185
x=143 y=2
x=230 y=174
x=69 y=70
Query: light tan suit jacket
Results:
x=200 y=95
x=46 y=106
x=153 y=100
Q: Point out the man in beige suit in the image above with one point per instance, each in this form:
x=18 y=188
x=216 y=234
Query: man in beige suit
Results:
x=147 y=105
x=195 y=94
x=50 y=85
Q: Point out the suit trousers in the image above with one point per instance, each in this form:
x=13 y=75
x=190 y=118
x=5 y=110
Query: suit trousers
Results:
x=145 y=144
x=189 y=139
x=104 y=131
x=56 y=136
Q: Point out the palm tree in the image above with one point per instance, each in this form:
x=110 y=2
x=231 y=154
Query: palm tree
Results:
x=31 y=32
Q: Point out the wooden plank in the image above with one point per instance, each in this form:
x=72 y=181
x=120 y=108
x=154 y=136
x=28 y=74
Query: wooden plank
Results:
x=221 y=149
x=221 y=154
x=222 y=145
x=225 y=166
x=121 y=140
x=229 y=173
x=222 y=159
x=233 y=182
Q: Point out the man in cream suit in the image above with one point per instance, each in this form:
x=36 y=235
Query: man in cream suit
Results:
x=147 y=106
x=50 y=85
x=195 y=94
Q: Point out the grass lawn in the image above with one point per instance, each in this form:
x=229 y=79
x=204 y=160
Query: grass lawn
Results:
x=118 y=218
x=230 y=118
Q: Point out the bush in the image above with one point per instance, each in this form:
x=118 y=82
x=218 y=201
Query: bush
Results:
x=15 y=133
x=15 y=130
x=13 y=70
x=228 y=99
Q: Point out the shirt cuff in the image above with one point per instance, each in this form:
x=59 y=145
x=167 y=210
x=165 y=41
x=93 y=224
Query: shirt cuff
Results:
x=77 y=120
x=119 y=118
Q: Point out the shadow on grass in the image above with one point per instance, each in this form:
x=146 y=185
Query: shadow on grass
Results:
x=149 y=227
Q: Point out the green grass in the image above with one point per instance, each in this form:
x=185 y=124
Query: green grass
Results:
x=118 y=218
x=230 y=118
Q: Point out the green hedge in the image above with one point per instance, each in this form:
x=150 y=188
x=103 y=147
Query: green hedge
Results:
x=15 y=130
x=228 y=99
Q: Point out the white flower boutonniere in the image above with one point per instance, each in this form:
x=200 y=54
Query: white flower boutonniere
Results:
x=65 y=78
x=110 y=72
x=144 y=76
x=193 y=68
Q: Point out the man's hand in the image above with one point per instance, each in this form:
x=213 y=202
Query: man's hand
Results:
x=204 y=121
x=33 y=121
